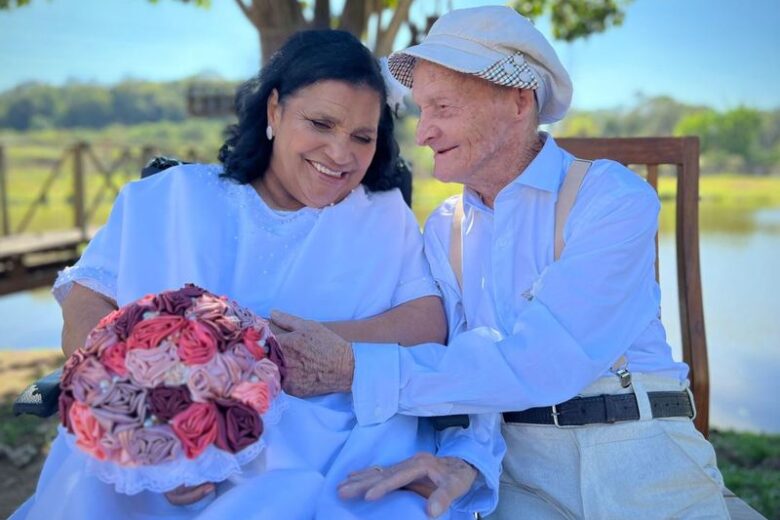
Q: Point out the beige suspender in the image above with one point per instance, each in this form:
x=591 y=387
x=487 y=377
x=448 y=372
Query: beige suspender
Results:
x=456 y=242
x=566 y=197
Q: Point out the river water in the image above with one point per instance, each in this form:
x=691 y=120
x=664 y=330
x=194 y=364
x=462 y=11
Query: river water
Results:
x=741 y=285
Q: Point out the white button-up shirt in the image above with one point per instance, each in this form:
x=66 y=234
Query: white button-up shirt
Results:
x=527 y=330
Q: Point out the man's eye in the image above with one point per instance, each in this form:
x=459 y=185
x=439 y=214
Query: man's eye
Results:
x=320 y=125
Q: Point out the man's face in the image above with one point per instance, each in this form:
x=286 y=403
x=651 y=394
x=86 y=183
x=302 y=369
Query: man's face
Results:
x=463 y=119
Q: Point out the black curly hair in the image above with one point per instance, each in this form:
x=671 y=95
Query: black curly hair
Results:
x=306 y=58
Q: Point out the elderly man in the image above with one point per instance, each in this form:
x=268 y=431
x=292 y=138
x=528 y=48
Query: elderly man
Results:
x=555 y=321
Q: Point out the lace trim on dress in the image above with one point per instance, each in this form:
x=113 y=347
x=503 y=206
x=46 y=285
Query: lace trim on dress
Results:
x=213 y=465
x=99 y=280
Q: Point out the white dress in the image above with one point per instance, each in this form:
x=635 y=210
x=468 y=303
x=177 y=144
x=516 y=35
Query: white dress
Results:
x=352 y=260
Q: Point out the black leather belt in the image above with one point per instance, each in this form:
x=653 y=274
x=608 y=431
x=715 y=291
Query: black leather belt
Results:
x=605 y=409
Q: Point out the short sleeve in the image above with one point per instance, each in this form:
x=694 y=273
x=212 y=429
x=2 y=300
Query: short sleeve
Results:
x=415 y=280
x=99 y=263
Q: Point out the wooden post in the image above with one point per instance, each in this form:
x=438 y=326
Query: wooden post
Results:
x=694 y=342
x=79 y=195
x=4 y=194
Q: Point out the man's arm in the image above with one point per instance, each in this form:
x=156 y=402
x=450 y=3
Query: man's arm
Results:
x=585 y=311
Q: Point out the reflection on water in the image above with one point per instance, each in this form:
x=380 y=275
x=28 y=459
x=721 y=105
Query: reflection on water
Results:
x=740 y=284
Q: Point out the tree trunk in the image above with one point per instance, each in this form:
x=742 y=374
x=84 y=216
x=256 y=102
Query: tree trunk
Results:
x=354 y=17
x=386 y=38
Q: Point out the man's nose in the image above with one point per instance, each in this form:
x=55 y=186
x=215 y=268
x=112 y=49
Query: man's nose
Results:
x=426 y=131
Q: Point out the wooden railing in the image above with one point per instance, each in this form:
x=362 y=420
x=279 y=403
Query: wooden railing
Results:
x=31 y=258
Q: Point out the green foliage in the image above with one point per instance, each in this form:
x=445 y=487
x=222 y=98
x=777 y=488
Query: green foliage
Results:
x=742 y=139
x=573 y=19
x=35 y=106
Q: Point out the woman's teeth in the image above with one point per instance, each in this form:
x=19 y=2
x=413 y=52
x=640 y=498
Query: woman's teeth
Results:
x=324 y=169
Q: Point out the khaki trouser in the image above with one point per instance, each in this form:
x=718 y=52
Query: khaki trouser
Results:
x=645 y=469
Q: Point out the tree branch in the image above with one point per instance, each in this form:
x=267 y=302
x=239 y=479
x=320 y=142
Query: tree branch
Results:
x=245 y=10
x=384 y=42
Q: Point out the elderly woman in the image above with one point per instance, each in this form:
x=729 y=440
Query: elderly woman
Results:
x=302 y=216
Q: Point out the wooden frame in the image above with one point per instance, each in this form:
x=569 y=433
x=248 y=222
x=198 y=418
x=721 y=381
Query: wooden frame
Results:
x=682 y=152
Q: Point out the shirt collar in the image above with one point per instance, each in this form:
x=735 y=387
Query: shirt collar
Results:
x=543 y=173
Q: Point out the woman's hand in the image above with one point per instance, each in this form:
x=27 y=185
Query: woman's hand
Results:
x=441 y=480
x=184 y=495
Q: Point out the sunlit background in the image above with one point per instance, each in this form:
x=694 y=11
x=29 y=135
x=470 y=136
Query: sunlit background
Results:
x=672 y=68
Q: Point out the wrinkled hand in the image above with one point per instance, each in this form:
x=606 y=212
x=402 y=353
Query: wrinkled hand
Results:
x=184 y=495
x=441 y=480
x=318 y=361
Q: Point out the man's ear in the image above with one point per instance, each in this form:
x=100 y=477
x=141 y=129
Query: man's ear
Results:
x=524 y=102
x=273 y=109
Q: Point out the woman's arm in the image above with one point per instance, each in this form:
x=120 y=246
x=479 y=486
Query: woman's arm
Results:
x=81 y=311
x=417 y=321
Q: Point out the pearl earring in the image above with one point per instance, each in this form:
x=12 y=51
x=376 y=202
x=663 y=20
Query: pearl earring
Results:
x=269 y=132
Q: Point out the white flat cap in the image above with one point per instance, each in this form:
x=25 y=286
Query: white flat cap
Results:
x=499 y=45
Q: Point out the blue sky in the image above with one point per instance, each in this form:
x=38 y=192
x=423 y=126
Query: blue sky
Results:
x=722 y=53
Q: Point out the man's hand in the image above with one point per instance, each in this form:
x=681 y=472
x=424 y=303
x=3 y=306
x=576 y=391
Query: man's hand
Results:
x=318 y=361
x=184 y=496
x=441 y=480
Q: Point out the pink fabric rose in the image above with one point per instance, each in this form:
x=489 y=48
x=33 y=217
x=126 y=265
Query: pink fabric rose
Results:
x=88 y=430
x=215 y=379
x=109 y=319
x=122 y=408
x=148 y=368
x=99 y=339
x=267 y=372
x=257 y=395
x=207 y=307
x=64 y=403
x=90 y=381
x=165 y=401
x=276 y=355
x=241 y=355
x=69 y=369
x=113 y=358
x=197 y=343
x=196 y=427
x=150 y=333
x=239 y=425
x=129 y=316
x=246 y=318
x=254 y=341
x=154 y=445
x=114 y=446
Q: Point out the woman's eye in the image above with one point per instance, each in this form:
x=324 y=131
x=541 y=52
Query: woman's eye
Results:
x=363 y=139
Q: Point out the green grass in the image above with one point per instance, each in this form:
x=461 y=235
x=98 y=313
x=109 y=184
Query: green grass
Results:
x=750 y=464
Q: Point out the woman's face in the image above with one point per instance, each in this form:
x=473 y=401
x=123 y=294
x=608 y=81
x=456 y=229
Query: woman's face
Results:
x=324 y=141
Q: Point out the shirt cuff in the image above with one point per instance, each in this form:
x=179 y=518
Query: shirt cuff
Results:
x=483 y=496
x=375 y=382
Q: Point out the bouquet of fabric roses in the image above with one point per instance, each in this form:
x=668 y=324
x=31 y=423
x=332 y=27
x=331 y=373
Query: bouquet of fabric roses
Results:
x=170 y=390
